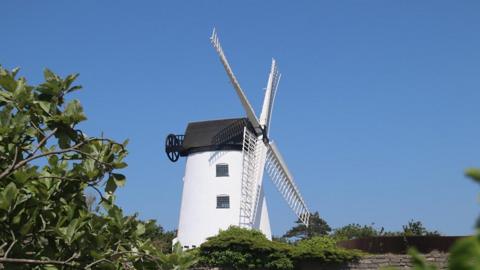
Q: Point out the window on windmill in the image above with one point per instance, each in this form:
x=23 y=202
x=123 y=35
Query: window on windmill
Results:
x=223 y=201
x=222 y=170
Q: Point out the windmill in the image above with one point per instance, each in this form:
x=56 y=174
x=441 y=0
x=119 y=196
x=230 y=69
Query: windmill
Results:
x=226 y=159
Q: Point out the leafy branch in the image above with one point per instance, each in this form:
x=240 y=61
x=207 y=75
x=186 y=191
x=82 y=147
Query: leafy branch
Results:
x=31 y=261
x=46 y=166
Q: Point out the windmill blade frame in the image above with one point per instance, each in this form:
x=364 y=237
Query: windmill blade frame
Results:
x=283 y=180
x=270 y=92
x=236 y=85
x=272 y=160
x=253 y=153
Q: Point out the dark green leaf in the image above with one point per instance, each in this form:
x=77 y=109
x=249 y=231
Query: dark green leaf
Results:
x=8 y=196
x=53 y=160
x=49 y=75
x=20 y=176
x=45 y=105
x=119 y=179
x=111 y=185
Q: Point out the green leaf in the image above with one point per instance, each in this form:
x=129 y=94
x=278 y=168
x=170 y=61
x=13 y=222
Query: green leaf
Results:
x=71 y=229
x=111 y=185
x=50 y=267
x=44 y=105
x=140 y=229
x=18 y=217
x=20 y=176
x=7 y=80
x=473 y=173
x=68 y=82
x=49 y=75
x=5 y=96
x=74 y=113
x=73 y=88
x=53 y=160
x=8 y=196
x=70 y=78
x=3 y=203
x=15 y=71
x=119 y=179
x=119 y=165
x=107 y=205
x=22 y=94
x=63 y=140
x=27 y=226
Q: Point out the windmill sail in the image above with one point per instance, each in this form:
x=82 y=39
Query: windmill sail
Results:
x=246 y=105
x=283 y=180
x=272 y=85
x=258 y=154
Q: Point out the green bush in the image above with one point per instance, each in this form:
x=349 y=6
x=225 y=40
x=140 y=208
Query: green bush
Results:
x=322 y=250
x=244 y=249
x=248 y=249
x=178 y=259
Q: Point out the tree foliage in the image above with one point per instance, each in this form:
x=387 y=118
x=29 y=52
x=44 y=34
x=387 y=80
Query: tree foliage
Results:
x=160 y=238
x=46 y=164
x=416 y=228
x=316 y=227
x=355 y=230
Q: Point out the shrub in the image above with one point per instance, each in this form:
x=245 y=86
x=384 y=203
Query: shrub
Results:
x=244 y=249
x=322 y=250
x=178 y=259
x=248 y=249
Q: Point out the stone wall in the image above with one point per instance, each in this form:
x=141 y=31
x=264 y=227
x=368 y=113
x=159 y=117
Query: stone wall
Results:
x=379 y=261
x=399 y=261
x=375 y=262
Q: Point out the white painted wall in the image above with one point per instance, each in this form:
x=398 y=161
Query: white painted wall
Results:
x=199 y=217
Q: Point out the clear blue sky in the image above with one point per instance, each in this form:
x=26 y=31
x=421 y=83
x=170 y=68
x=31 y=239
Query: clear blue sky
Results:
x=377 y=112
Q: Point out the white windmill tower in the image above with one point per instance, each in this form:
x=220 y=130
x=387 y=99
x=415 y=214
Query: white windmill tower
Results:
x=225 y=162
